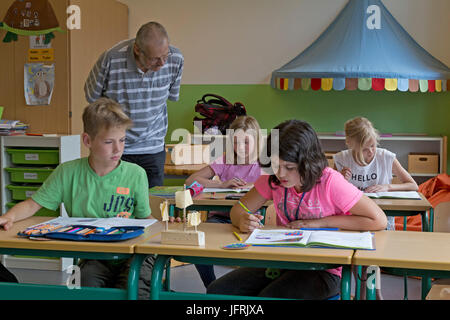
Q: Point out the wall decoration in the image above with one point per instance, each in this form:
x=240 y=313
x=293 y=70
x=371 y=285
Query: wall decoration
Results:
x=30 y=18
x=39 y=80
x=364 y=48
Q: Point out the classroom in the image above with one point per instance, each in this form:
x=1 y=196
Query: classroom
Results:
x=251 y=53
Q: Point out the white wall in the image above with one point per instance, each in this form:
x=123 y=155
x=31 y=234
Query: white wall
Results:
x=243 y=41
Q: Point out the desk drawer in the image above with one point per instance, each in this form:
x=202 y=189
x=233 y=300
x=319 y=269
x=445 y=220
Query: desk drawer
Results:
x=34 y=156
x=22 y=192
x=29 y=175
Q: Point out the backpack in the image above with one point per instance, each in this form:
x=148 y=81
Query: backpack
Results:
x=217 y=112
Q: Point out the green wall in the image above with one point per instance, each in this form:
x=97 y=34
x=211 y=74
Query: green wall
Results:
x=390 y=112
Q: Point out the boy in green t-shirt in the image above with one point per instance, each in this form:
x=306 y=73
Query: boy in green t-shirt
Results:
x=99 y=186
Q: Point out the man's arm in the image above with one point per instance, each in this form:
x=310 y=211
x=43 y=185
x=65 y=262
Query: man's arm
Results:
x=96 y=81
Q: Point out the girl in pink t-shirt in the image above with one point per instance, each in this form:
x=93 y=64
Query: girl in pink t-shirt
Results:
x=306 y=194
x=239 y=169
x=236 y=170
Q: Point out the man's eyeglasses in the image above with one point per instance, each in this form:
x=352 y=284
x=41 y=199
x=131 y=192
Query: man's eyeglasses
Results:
x=156 y=59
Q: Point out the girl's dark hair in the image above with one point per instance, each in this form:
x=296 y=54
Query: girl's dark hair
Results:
x=298 y=143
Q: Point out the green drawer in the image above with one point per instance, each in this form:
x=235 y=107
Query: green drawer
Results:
x=43 y=212
x=22 y=192
x=34 y=156
x=29 y=175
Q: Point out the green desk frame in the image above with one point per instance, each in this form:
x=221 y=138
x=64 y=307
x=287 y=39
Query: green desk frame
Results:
x=425 y=274
x=161 y=291
x=19 y=291
x=427 y=226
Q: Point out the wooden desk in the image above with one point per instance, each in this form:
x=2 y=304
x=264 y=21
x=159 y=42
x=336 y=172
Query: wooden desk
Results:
x=218 y=235
x=408 y=207
x=425 y=254
x=12 y=244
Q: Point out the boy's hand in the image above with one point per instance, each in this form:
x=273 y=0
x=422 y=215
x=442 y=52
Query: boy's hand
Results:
x=250 y=222
x=347 y=173
x=6 y=223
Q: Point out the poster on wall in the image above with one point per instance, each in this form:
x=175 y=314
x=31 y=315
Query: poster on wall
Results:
x=39 y=80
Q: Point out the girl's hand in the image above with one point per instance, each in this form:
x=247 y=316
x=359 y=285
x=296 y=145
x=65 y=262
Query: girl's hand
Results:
x=173 y=219
x=250 y=222
x=377 y=188
x=314 y=223
x=233 y=183
x=347 y=173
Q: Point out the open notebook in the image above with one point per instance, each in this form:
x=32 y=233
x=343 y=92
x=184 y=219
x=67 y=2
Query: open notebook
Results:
x=311 y=239
x=394 y=195
x=225 y=190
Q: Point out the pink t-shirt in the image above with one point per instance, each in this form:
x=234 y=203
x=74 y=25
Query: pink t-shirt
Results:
x=247 y=172
x=332 y=195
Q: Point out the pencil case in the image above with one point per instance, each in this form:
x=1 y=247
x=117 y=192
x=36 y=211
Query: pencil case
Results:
x=84 y=233
x=195 y=188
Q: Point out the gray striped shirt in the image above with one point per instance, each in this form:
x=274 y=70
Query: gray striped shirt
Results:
x=142 y=95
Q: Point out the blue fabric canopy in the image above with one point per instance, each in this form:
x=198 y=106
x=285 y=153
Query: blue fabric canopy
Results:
x=364 y=42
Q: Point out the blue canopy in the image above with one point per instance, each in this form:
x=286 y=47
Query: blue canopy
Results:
x=364 y=43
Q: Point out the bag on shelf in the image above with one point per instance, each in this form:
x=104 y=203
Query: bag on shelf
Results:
x=218 y=113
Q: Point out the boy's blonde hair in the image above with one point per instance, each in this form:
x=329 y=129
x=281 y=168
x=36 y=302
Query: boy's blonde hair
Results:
x=357 y=132
x=104 y=113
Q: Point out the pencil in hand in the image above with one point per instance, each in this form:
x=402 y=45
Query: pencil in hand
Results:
x=248 y=211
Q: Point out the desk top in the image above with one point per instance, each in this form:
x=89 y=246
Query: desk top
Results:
x=404 y=204
x=408 y=249
x=10 y=239
x=218 y=235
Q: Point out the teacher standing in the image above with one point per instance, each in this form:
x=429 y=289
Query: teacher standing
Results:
x=141 y=74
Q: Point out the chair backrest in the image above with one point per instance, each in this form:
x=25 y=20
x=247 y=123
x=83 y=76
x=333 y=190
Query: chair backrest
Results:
x=442 y=217
x=154 y=206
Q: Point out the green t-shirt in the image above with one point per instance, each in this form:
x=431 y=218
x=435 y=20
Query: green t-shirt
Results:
x=86 y=194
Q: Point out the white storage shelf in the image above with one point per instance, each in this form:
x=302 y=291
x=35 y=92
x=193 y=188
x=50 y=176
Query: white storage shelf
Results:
x=402 y=146
x=69 y=149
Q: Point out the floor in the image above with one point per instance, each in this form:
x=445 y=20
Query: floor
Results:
x=185 y=278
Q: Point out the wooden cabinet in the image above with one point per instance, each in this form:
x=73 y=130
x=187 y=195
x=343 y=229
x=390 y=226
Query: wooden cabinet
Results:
x=103 y=23
x=402 y=146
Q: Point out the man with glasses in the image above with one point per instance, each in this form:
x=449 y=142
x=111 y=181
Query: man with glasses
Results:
x=141 y=74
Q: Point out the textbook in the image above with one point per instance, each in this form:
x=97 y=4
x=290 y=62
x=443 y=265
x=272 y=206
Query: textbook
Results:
x=394 y=195
x=311 y=239
x=165 y=191
x=225 y=190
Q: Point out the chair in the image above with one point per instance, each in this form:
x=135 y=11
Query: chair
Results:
x=439 y=292
x=441 y=223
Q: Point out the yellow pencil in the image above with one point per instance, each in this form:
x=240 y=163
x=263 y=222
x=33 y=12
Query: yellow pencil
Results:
x=237 y=236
